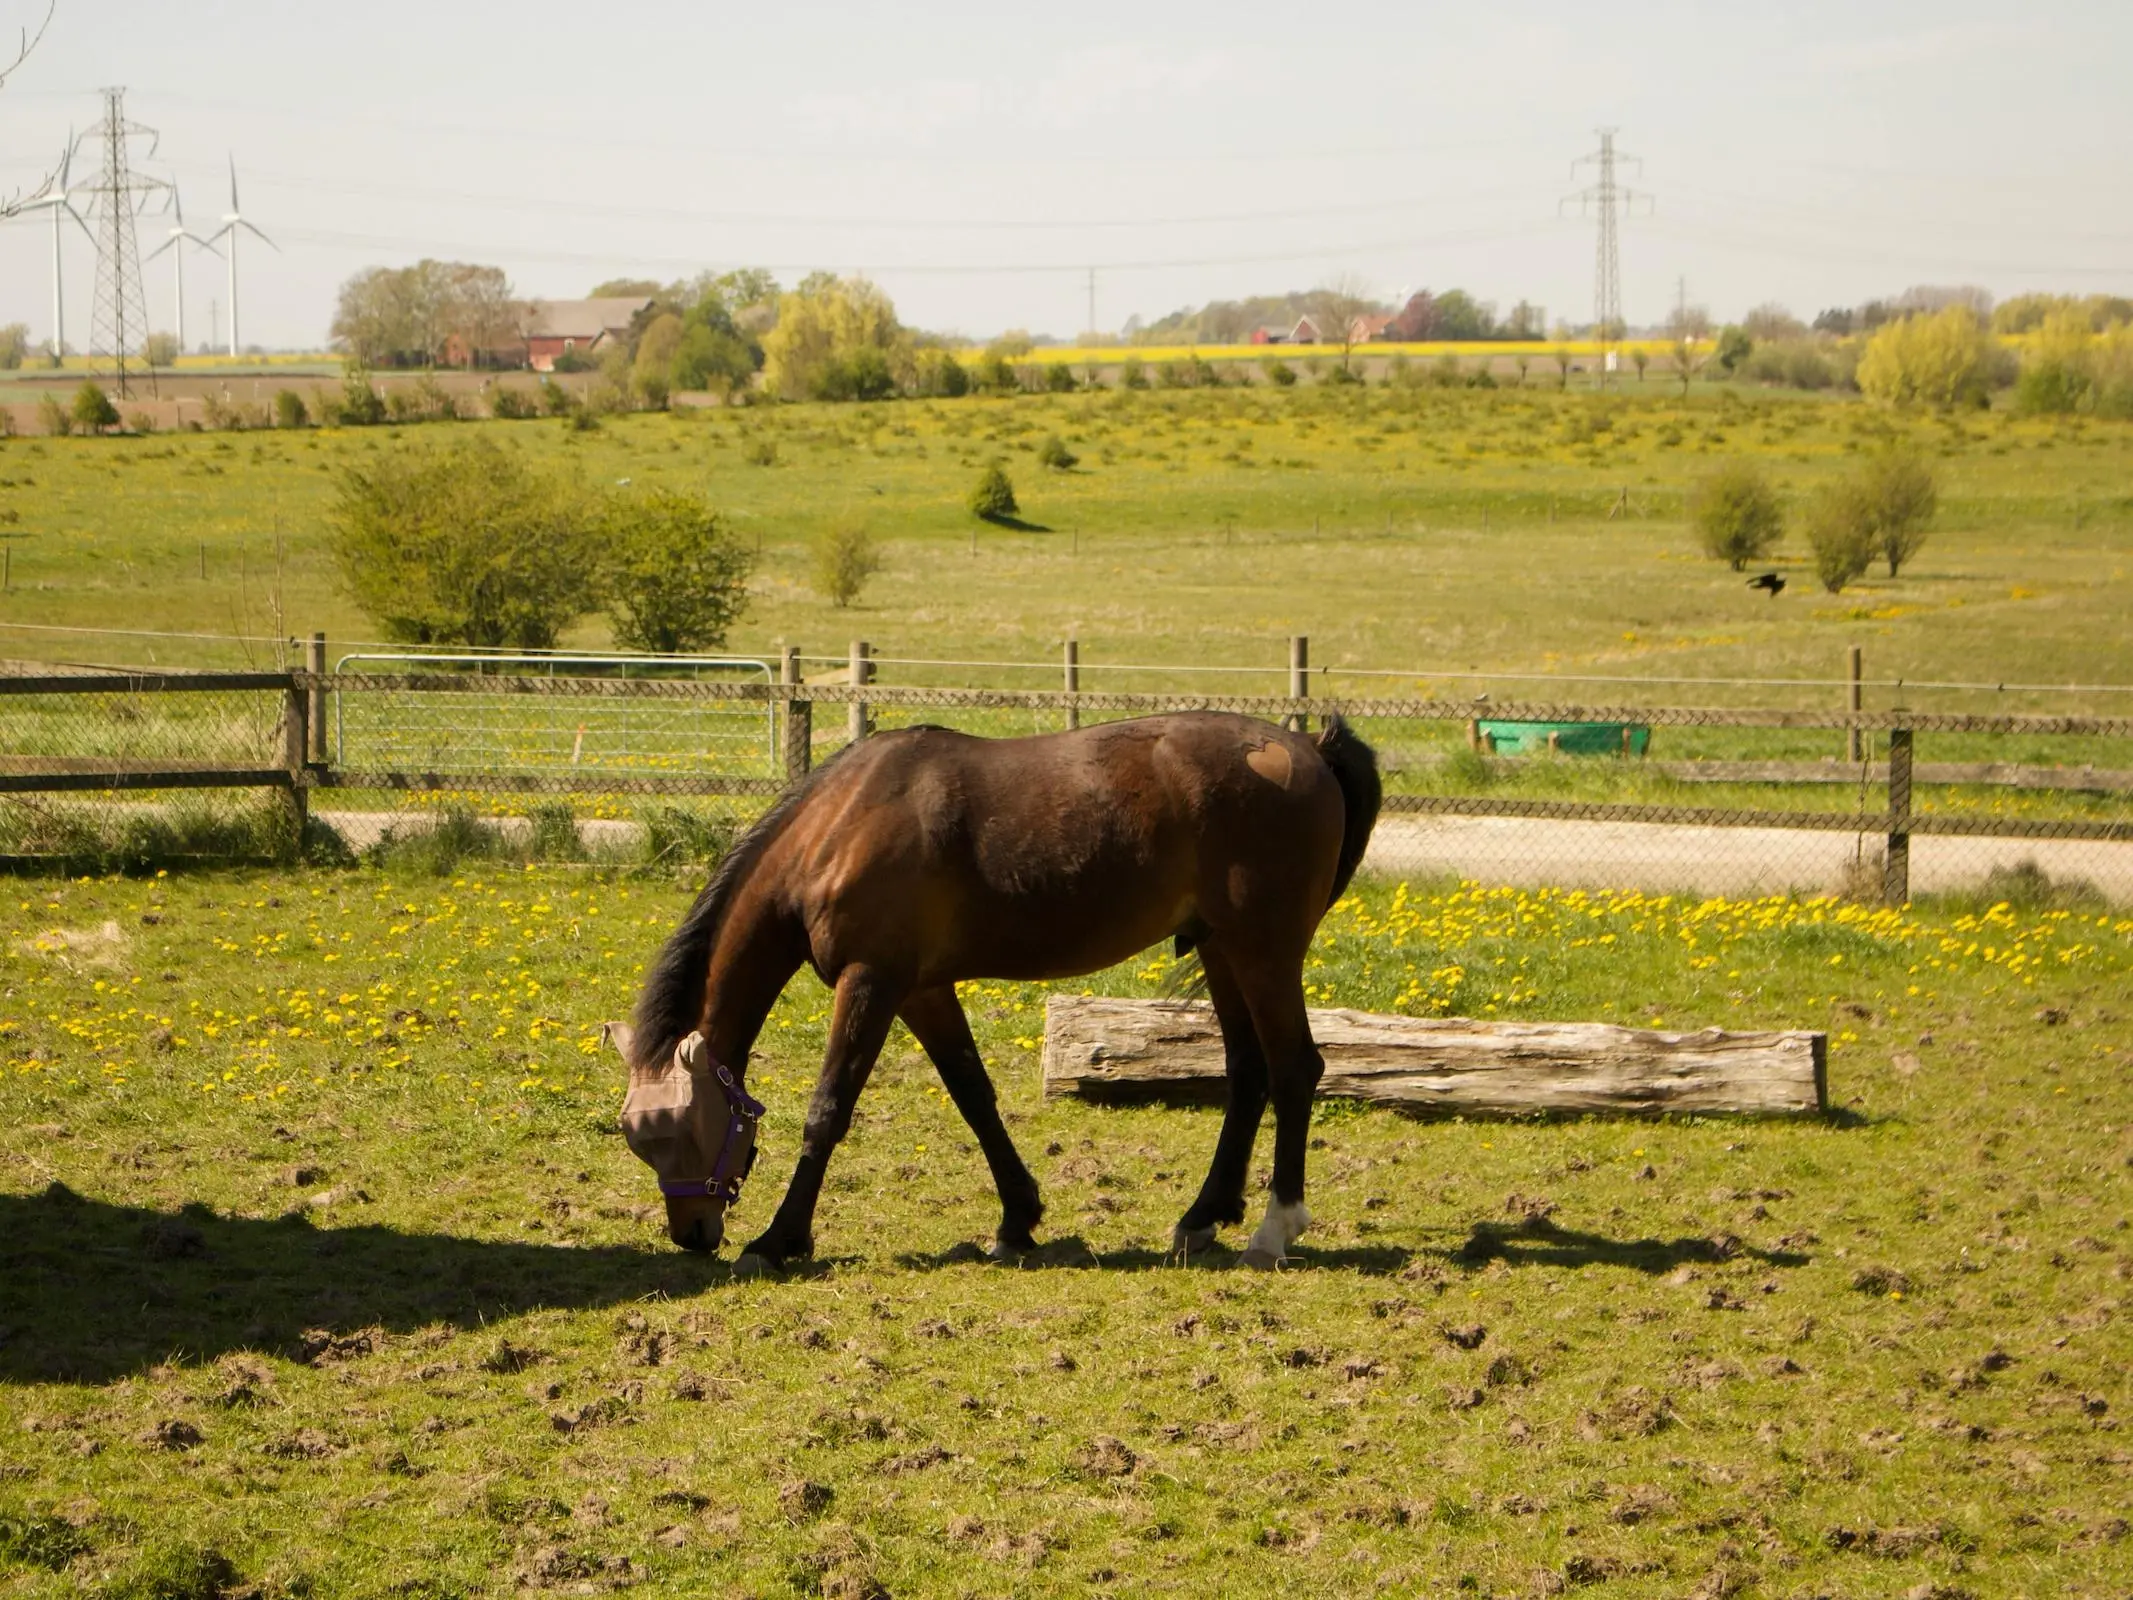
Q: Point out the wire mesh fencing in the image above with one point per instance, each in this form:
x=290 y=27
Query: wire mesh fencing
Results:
x=596 y=757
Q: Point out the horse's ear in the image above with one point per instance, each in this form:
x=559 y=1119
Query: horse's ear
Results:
x=620 y=1035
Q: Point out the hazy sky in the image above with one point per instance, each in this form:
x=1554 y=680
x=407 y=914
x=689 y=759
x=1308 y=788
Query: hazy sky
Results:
x=976 y=159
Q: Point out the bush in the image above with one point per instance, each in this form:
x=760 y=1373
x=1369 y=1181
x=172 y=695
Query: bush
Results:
x=1054 y=453
x=676 y=575
x=558 y=400
x=572 y=361
x=468 y=544
x=760 y=452
x=862 y=373
x=93 y=410
x=1945 y=359
x=360 y=405
x=161 y=350
x=994 y=496
x=1900 y=497
x=1344 y=375
x=1278 y=372
x=1734 y=347
x=1059 y=378
x=845 y=558
x=939 y=373
x=290 y=410
x=1840 y=532
x=508 y=403
x=1133 y=373
x=1736 y=515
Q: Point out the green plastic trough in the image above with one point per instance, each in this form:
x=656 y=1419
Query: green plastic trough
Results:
x=1564 y=738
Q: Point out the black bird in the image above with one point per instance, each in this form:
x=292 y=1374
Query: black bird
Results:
x=1770 y=581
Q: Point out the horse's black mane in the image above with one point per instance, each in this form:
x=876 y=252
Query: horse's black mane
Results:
x=673 y=997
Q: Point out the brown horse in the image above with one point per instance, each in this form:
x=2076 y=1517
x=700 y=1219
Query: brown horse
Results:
x=921 y=858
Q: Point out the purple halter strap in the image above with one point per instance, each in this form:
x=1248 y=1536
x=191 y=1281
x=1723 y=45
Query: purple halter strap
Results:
x=743 y=1112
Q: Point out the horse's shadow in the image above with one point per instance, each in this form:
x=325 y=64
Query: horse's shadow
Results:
x=91 y=1291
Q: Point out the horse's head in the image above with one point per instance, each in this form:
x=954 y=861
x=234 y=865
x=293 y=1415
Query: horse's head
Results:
x=691 y=1122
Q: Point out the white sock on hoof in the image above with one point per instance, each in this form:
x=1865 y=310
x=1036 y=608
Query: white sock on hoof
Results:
x=1282 y=1227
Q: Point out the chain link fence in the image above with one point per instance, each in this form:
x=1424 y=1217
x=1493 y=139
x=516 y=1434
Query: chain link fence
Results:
x=636 y=758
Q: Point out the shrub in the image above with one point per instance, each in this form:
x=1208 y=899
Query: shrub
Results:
x=290 y=410
x=676 y=575
x=1945 y=359
x=845 y=558
x=93 y=410
x=1174 y=374
x=468 y=544
x=1840 y=532
x=1059 y=378
x=161 y=350
x=360 y=405
x=996 y=374
x=1054 y=453
x=1278 y=372
x=1736 y=515
x=939 y=373
x=508 y=403
x=1343 y=376
x=1133 y=373
x=1734 y=347
x=14 y=346
x=862 y=373
x=558 y=400
x=760 y=452
x=993 y=497
x=1900 y=497
x=572 y=361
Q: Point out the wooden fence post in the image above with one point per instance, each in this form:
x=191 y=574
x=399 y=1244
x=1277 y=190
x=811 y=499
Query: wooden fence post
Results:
x=296 y=744
x=1073 y=680
x=799 y=719
x=1896 y=865
x=1853 y=749
x=1299 y=676
x=315 y=661
x=862 y=675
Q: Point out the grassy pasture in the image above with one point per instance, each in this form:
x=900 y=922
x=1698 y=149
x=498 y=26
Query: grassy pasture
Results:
x=1443 y=531
x=319 y=1258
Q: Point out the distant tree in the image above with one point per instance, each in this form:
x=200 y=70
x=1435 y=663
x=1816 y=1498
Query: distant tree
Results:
x=2057 y=377
x=1563 y=363
x=993 y=497
x=675 y=575
x=1460 y=316
x=939 y=373
x=1941 y=358
x=1769 y=322
x=1736 y=515
x=1415 y=322
x=1526 y=321
x=1840 y=533
x=290 y=410
x=652 y=368
x=822 y=327
x=627 y=289
x=161 y=349
x=93 y=410
x=1734 y=345
x=465 y=544
x=14 y=346
x=54 y=417
x=406 y=316
x=1640 y=358
x=845 y=558
x=1053 y=453
x=1341 y=306
x=1836 y=320
x=714 y=352
x=1899 y=495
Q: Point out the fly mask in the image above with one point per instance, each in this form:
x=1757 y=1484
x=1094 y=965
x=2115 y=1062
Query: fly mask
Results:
x=693 y=1124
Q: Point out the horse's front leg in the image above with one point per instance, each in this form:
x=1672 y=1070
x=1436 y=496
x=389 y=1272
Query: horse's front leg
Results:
x=865 y=1006
x=935 y=1018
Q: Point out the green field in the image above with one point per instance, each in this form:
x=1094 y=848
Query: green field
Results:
x=1436 y=533
x=322 y=1272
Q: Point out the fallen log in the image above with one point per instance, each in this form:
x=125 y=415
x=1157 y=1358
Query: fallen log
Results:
x=1124 y=1051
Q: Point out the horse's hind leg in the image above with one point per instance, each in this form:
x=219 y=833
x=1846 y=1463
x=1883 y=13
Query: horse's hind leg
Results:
x=865 y=1006
x=1221 y=1197
x=935 y=1018
x=1294 y=1067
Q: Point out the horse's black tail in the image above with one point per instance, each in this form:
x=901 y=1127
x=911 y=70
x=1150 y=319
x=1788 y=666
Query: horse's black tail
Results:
x=1355 y=768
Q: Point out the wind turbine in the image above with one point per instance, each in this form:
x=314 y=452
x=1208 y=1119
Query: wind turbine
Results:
x=58 y=200
x=232 y=221
x=179 y=236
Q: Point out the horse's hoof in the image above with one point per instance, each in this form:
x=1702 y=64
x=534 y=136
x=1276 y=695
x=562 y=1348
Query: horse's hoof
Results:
x=752 y=1265
x=1186 y=1241
x=1260 y=1260
x=1007 y=1255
